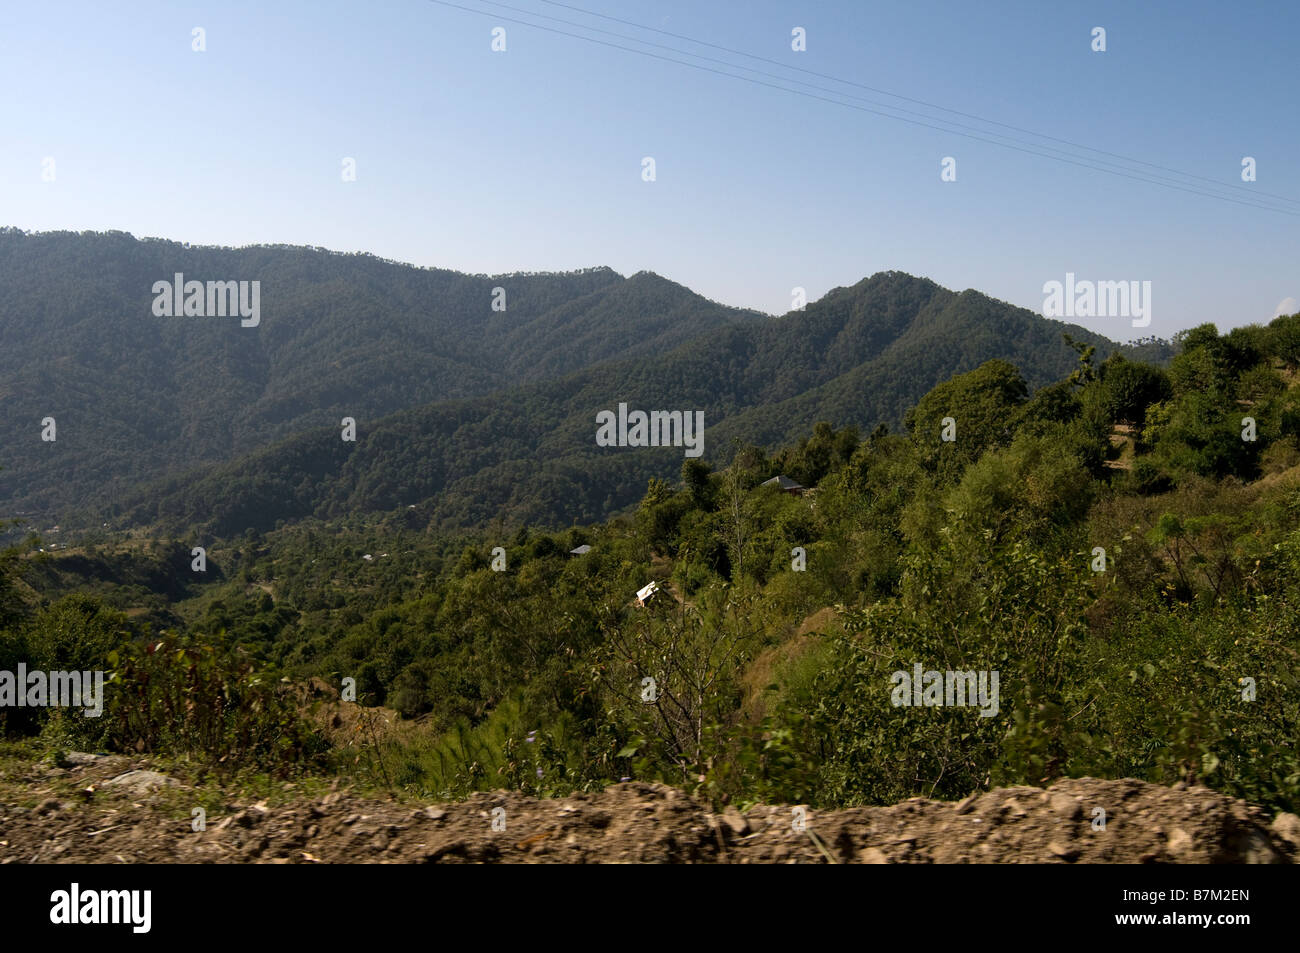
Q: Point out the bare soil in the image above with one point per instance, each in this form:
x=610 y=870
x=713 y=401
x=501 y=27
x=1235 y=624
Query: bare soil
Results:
x=100 y=809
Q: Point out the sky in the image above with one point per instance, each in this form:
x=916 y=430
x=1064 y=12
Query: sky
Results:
x=532 y=158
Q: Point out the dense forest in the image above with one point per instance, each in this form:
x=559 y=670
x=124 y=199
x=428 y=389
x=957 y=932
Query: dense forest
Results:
x=1120 y=544
x=462 y=413
x=136 y=396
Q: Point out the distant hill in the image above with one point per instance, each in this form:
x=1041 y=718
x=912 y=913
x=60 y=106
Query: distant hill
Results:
x=861 y=355
x=136 y=397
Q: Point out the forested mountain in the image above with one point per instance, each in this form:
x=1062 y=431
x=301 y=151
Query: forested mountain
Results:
x=135 y=396
x=464 y=413
x=1119 y=553
x=860 y=356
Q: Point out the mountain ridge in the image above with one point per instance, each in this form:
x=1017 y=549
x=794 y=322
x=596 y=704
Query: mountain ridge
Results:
x=137 y=397
x=156 y=415
x=528 y=454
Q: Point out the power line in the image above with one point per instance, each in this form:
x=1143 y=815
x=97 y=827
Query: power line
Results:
x=1132 y=174
x=919 y=102
x=1035 y=145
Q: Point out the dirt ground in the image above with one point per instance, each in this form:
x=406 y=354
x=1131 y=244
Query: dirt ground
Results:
x=102 y=809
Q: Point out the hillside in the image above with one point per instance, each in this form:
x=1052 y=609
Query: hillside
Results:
x=468 y=413
x=860 y=356
x=1075 y=619
x=136 y=396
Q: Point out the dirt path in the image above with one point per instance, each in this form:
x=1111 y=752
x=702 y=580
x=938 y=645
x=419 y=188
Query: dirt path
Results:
x=142 y=819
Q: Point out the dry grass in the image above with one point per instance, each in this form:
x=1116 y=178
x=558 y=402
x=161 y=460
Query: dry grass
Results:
x=762 y=672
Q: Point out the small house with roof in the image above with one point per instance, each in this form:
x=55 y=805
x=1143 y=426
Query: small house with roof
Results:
x=785 y=485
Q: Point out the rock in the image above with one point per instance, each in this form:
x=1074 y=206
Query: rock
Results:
x=1066 y=806
x=966 y=804
x=1180 y=844
x=735 y=821
x=1254 y=847
x=246 y=818
x=874 y=855
x=140 y=782
x=1067 y=854
x=1287 y=828
x=83 y=757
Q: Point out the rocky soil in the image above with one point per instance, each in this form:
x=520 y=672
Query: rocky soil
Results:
x=98 y=809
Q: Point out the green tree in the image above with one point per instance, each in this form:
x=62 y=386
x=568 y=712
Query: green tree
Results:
x=983 y=407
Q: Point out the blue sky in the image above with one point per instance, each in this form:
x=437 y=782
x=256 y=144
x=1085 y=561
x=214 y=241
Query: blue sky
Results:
x=531 y=159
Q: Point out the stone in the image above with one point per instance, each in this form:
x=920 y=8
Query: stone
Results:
x=1066 y=806
x=1180 y=844
x=140 y=782
x=83 y=757
x=1287 y=827
x=1067 y=854
x=735 y=821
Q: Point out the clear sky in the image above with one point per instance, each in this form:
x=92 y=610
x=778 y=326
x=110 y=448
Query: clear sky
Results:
x=531 y=159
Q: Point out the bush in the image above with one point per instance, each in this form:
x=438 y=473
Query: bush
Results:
x=177 y=696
